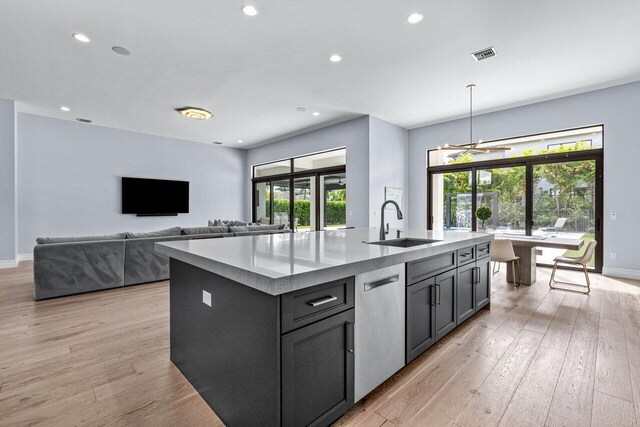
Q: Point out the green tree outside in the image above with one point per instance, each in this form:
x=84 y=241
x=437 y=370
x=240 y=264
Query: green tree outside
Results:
x=570 y=195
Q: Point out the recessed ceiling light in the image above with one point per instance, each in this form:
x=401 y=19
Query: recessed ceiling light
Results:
x=414 y=18
x=195 y=113
x=315 y=113
x=121 y=50
x=65 y=109
x=249 y=10
x=81 y=37
x=240 y=141
x=335 y=58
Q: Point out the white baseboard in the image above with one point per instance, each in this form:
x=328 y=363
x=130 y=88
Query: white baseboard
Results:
x=621 y=272
x=25 y=257
x=10 y=263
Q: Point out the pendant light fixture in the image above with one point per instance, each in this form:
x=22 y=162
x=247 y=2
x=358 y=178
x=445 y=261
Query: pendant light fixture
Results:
x=472 y=146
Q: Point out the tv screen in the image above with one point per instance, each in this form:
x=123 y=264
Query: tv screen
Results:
x=154 y=196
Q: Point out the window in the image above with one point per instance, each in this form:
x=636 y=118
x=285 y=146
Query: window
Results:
x=547 y=186
x=305 y=193
x=320 y=161
x=568 y=141
x=272 y=169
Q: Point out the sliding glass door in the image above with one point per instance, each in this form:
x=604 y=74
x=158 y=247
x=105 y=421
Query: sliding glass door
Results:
x=304 y=203
x=262 y=203
x=306 y=193
x=564 y=204
x=333 y=203
x=281 y=201
x=451 y=199
x=503 y=191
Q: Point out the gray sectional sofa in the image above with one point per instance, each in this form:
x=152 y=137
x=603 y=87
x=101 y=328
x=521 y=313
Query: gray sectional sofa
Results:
x=73 y=265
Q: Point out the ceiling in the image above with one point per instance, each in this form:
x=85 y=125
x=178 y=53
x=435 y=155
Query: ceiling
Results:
x=252 y=72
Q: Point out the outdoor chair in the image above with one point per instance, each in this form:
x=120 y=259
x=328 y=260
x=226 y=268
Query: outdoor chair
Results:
x=581 y=260
x=558 y=226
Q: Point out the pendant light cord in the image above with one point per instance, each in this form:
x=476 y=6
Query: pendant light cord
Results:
x=471 y=113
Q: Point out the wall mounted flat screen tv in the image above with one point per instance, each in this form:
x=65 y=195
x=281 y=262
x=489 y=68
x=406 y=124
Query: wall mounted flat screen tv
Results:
x=147 y=197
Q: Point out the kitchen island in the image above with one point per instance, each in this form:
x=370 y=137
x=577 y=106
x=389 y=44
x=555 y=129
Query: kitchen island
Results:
x=283 y=330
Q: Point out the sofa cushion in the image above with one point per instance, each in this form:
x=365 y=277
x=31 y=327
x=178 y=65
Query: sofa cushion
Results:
x=205 y=230
x=261 y=233
x=266 y=227
x=47 y=240
x=173 y=231
x=257 y=228
x=219 y=222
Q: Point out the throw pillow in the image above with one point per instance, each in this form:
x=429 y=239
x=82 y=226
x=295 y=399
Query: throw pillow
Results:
x=230 y=223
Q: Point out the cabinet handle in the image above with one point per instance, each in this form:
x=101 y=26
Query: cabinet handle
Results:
x=483 y=250
x=350 y=336
x=439 y=294
x=433 y=295
x=381 y=282
x=474 y=278
x=322 y=301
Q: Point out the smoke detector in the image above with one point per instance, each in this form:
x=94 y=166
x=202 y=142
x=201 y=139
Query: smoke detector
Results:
x=487 y=53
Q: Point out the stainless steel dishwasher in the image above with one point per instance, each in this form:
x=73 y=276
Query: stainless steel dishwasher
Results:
x=379 y=327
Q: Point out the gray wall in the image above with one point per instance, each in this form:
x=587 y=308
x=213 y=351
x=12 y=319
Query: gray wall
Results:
x=388 y=151
x=616 y=108
x=353 y=134
x=7 y=181
x=69 y=178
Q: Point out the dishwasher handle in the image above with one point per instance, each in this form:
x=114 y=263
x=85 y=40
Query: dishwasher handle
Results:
x=372 y=285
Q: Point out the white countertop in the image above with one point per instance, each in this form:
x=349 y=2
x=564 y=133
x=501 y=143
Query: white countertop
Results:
x=281 y=263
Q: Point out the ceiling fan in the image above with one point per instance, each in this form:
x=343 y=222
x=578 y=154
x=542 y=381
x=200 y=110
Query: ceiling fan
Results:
x=473 y=146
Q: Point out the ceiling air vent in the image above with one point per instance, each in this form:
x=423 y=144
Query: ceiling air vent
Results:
x=217 y=142
x=489 y=52
x=83 y=120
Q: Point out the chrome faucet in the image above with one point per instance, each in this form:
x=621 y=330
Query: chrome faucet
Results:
x=384 y=232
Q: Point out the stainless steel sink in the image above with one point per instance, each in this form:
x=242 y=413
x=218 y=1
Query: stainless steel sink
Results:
x=406 y=242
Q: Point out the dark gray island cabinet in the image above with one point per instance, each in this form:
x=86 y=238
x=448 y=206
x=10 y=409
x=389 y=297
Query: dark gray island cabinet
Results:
x=263 y=360
x=281 y=352
x=442 y=292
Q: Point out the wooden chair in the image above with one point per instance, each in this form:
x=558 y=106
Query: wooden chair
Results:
x=581 y=260
x=502 y=251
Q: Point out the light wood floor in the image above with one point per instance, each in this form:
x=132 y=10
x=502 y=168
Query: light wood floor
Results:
x=536 y=358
